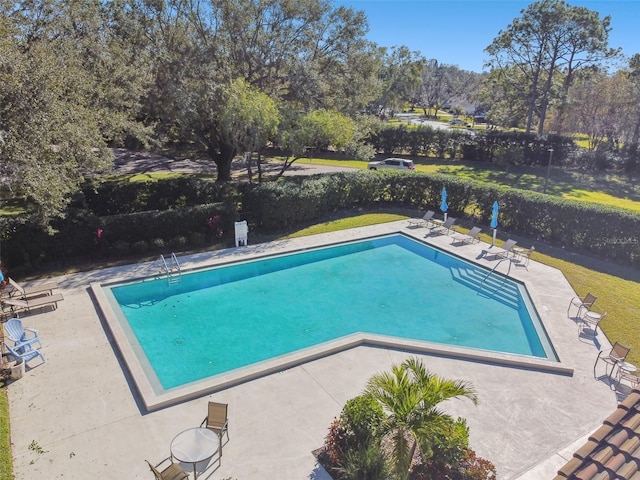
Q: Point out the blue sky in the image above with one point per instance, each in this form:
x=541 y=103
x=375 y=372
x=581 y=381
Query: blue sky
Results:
x=457 y=31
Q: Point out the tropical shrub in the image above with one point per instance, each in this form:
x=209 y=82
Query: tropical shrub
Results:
x=353 y=445
x=395 y=427
x=410 y=394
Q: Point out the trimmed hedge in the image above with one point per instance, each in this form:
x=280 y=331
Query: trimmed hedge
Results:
x=495 y=146
x=82 y=235
x=113 y=198
x=604 y=232
x=601 y=231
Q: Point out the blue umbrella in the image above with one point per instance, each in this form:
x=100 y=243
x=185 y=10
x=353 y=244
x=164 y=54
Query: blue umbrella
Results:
x=443 y=206
x=494 y=220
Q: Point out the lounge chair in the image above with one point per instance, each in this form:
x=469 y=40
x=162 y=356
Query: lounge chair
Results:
x=26 y=355
x=504 y=251
x=471 y=237
x=172 y=472
x=612 y=357
x=217 y=420
x=18 y=335
x=582 y=303
x=17 y=304
x=17 y=290
x=446 y=227
x=425 y=221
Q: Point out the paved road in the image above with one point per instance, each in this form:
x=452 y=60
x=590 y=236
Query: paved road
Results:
x=415 y=119
x=129 y=162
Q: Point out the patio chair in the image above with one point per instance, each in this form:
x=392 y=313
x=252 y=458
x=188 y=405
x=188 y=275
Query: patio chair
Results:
x=18 y=335
x=17 y=290
x=425 y=221
x=521 y=256
x=630 y=377
x=612 y=357
x=582 y=303
x=17 y=304
x=26 y=355
x=471 y=237
x=172 y=472
x=217 y=420
x=446 y=227
x=591 y=320
x=504 y=251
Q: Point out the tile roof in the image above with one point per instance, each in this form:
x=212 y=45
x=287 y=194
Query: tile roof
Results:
x=613 y=451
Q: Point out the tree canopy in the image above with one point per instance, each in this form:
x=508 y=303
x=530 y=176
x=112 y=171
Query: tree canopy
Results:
x=68 y=87
x=304 y=55
x=537 y=56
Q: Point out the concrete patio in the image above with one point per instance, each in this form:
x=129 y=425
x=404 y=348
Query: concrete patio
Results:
x=80 y=415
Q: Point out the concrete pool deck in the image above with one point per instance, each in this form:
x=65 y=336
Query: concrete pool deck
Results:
x=80 y=414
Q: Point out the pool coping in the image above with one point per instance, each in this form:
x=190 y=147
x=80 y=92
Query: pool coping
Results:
x=153 y=400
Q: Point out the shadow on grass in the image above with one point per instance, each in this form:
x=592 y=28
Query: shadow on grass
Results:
x=561 y=182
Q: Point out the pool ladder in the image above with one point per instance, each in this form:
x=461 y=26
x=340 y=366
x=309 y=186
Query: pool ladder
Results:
x=173 y=272
x=493 y=271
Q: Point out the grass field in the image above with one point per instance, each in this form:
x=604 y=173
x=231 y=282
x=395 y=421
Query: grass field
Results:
x=602 y=188
x=6 y=472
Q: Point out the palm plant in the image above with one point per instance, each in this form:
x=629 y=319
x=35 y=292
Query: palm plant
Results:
x=410 y=394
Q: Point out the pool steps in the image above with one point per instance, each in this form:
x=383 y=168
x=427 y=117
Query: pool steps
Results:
x=492 y=285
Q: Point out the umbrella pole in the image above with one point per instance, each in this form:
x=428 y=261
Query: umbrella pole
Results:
x=445 y=216
x=494 y=237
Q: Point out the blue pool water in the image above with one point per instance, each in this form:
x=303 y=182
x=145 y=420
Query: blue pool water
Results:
x=224 y=318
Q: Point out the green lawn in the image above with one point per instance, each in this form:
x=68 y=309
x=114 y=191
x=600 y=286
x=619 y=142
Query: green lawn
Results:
x=602 y=188
x=6 y=470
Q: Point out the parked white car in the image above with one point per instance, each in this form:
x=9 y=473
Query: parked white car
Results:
x=459 y=121
x=396 y=163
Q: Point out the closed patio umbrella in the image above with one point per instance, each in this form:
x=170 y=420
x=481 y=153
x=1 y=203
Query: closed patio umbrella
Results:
x=443 y=205
x=494 y=221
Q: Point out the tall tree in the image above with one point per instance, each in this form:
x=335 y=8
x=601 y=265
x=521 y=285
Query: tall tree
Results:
x=410 y=395
x=545 y=47
x=441 y=83
x=304 y=55
x=249 y=117
x=315 y=131
x=597 y=103
x=399 y=78
x=63 y=97
x=634 y=99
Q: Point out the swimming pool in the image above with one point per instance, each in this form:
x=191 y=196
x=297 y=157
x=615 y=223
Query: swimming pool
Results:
x=232 y=316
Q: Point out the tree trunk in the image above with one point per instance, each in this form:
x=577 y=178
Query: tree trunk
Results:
x=223 y=158
x=259 y=166
x=248 y=158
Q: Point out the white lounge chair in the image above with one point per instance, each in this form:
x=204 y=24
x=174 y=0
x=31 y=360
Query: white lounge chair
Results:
x=17 y=304
x=471 y=237
x=446 y=227
x=17 y=290
x=425 y=221
x=504 y=251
